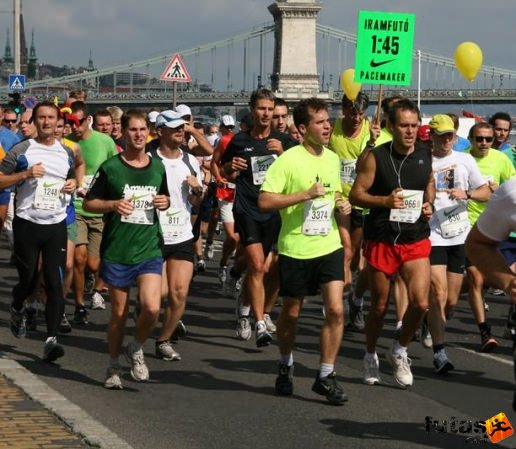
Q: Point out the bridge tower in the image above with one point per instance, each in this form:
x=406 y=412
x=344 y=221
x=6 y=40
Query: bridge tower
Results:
x=294 y=73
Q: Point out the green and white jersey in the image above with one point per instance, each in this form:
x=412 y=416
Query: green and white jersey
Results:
x=308 y=229
x=138 y=237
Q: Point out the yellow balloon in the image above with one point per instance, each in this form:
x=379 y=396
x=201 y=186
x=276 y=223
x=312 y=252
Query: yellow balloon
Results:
x=468 y=59
x=348 y=84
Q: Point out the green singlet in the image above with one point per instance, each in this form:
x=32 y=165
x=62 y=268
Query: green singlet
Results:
x=134 y=240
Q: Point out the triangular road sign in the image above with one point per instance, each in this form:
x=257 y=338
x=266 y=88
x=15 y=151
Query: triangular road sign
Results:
x=176 y=71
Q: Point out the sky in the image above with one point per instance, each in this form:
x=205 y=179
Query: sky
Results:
x=123 y=31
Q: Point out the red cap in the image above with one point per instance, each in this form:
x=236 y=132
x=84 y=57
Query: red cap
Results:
x=423 y=132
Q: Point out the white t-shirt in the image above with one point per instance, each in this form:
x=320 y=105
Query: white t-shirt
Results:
x=175 y=221
x=454 y=171
x=499 y=219
x=41 y=200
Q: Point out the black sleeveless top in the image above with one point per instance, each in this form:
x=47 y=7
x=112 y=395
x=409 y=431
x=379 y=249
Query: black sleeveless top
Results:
x=395 y=170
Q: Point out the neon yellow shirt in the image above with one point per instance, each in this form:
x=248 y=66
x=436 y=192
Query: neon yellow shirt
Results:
x=385 y=136
x=348 y=149
x=296 y=170
x=495 y=167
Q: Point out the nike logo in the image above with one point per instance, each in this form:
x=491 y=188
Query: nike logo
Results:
x=171 y=214
x=49 y=184
x=373 y=63
x=406 y=197
x=319 y=207
x=137 y=197
x=450 y=212
x=262 y=162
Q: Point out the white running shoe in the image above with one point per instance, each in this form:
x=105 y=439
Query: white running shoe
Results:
x=269 y=324
x=425 y=337
x=139 y=370
x=244 y=330
x=371 y=370
x=442 y=363
x=113 y=381
x=97 y=301
x=165 y=351
x=401 y=368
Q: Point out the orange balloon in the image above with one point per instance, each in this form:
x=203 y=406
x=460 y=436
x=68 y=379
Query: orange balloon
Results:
x=348 y=84
x=468 y=59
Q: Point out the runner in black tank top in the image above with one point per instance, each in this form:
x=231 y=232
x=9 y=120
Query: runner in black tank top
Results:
x=397 y=185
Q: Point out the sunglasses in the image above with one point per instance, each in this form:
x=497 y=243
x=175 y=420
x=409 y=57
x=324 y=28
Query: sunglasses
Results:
x=81 y=121
x=480 y=139
x=10 y=121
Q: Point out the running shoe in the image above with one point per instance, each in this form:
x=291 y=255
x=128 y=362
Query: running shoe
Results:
x=487 y=341
x=425 y=338
x=139 y=370
x=179 y=332
x=401 y=368
x=64 y=326
x=80 y=316
x=200 y=266
x=113 y=380
x=233 y=286
x=223 y=274
x=284 y=385
x=495 y=291
x=372 y=371
x=165 y=351
x=243 y=330
x=31 y=318
x=263 y=337
x=18 y=323
x=52 y=351
x=329 y=388
x=271 y=327
x=441 y=362
x=97 y=301
x=209 y=251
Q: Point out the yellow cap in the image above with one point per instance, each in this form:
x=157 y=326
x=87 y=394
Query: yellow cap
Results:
x=441 y=124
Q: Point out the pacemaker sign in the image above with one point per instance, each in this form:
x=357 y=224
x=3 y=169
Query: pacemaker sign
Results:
x=385 y=43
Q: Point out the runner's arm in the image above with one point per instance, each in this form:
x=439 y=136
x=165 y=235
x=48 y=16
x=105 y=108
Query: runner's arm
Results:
x=201 y=146
x=360 y=196
x=268 y=201
x=484 y=254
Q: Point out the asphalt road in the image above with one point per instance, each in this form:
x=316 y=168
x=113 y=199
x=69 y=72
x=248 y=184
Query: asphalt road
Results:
x=221 y=394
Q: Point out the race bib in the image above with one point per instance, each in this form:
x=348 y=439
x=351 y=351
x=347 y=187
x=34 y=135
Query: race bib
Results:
x=453 y=220
x=174 y=223
x=347 y=171
x=413 y=201
x=259 y=166
x=143 y=212
x=49 y=195
x=318 y=214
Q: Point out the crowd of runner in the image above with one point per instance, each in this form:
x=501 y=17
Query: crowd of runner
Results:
x=307 y=206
